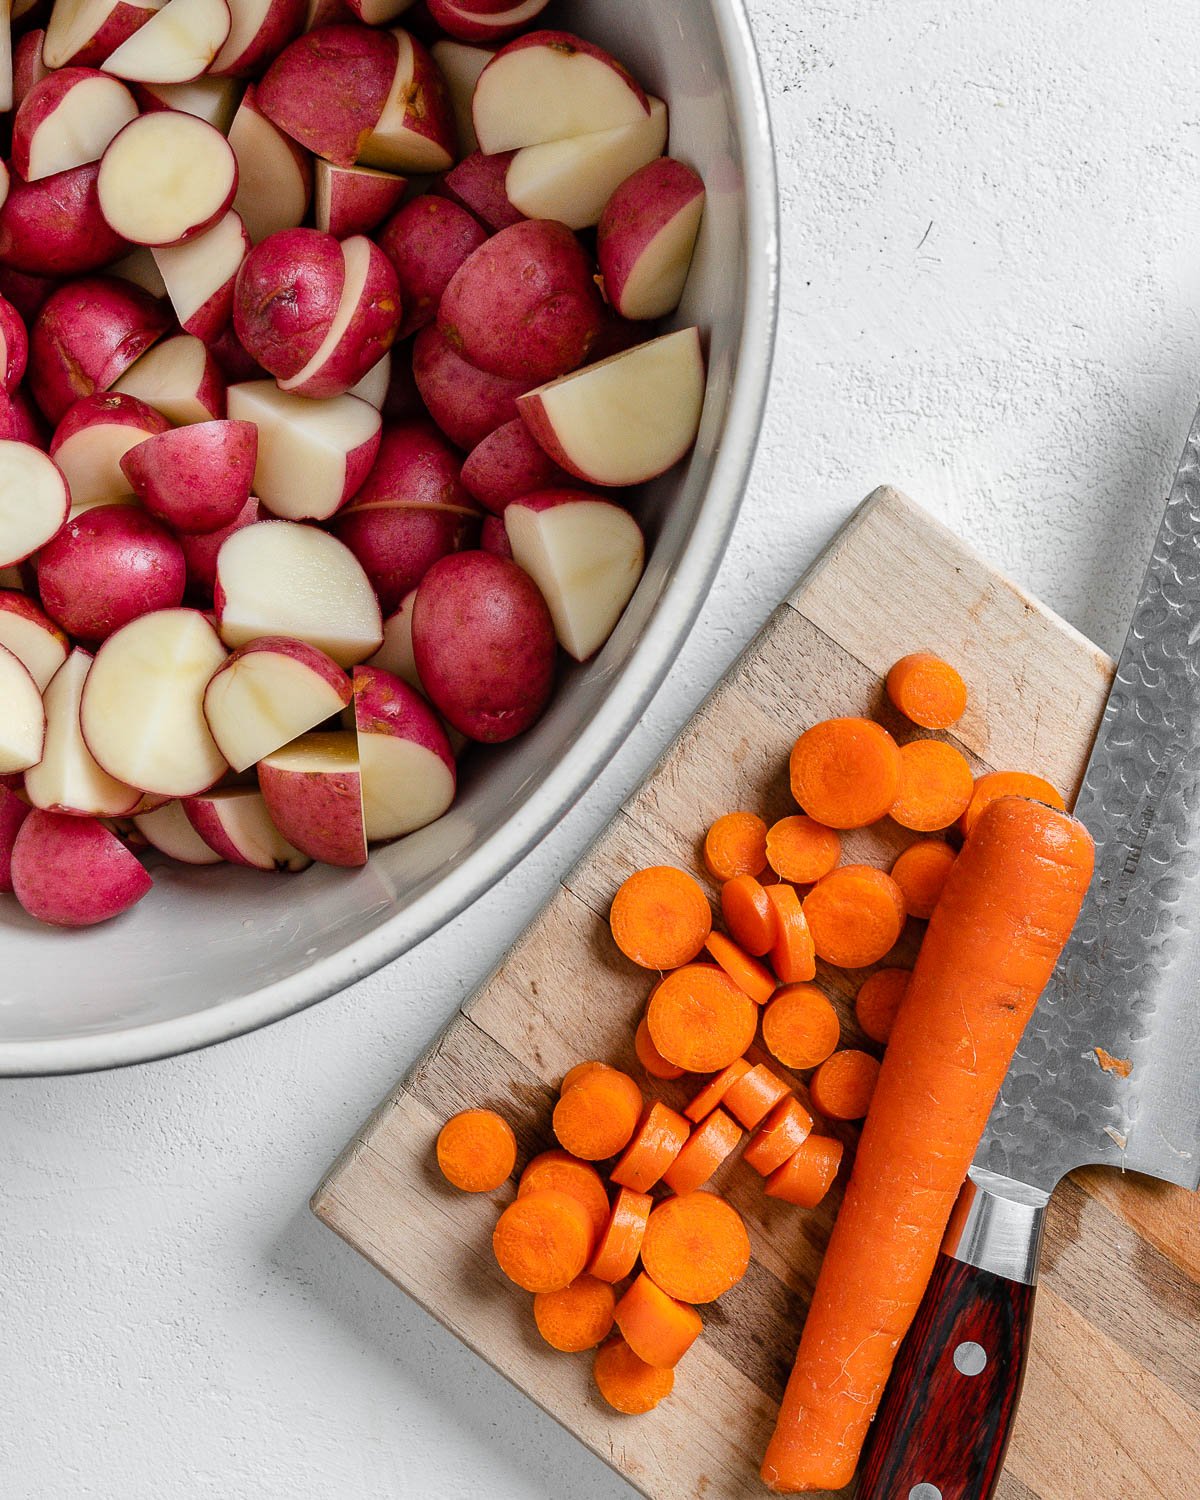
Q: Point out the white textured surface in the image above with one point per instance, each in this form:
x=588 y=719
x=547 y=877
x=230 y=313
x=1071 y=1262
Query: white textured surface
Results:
x=992 y=275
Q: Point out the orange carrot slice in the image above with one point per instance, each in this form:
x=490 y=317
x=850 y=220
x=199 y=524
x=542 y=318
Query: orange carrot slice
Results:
x=746 y=972
x=936 y=786
x=543 y=1240
x=576 y=1317
x=580 y=1071
x=920 y=872
x=878 y=1002
x=596 y=1117
x=656 y=1327
x=793 y=954
x=785 y=1131
x=628 y=1383
x=993 y=785
x=660 y=918
x=567 y=1174
x=476 y=1150
x=712 y=1141
x=800 y=1027
x=808 y=1173
x=700 y=1020
x=845 y=773
x=801 y=850
x=855 y=916
x=842 y=1086
x=650 y=1057
x=696 y=1247
x=715 y=1089
x=927 y=690
x=754 y=1095
x=621 y=1243
x=736 y=844
x=659 y=1140
x=748 y=914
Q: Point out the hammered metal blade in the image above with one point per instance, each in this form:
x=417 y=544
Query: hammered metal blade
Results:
x=1129 y=980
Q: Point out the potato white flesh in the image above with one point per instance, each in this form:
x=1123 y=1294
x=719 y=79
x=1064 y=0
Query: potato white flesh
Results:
x=237 y=825
x=211 y=99
x=194 y=272
x=273 y=182
x=34 y=640
x=34 y=501
x=143 y=703
x=356 y=262
x=67 y=778
x=166 y=177
x=75 y=23
x=168 y=830
x=549 y=92
x=91 y=463
x=461 y=66
x=572 y=180
x=280 y=578
x=263 y=700
x=373 y=387
x=175 y=45
x=396 y=653
x=175 y=378
x=404 y=785
x=23 y=721
x=392 y=145
x=303 y=446
x=140 y=267
x=655 y=285
x=88 y=116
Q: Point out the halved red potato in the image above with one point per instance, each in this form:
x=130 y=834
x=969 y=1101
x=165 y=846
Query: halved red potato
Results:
x=67 y=778
x=175 y=45
x=91 y=439
x=31 y=635
x=34 y=500
x=235 y=824
x=363 y=327
x=260 y=30
x=167 y=829
x=68 y=120
x=646 y=236
x=166 y=178
x=415 y=128
x=196 y=478
x=201 y=276
x=460 y=65
x=407 y=767
x=74 y=872
x=313 y=790
x=108 y=566
x=179 y=378
x=214 y=100
x=54 y=227
x=328 y=89
x=23 y=722
x=274 y=173
x=268 y=692
x=85 y=32
x=353 y=200
x=484 y=23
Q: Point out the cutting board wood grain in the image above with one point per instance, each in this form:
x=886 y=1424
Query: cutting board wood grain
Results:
x=1112 y=1399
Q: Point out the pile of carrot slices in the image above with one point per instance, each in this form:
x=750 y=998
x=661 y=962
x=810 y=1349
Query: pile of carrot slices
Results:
x=618 y=1232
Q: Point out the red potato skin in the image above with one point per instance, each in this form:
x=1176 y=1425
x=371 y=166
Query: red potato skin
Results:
x=13 y=813
x=21 y=422
x=215 y=314
x=319 y=812
x=26 y=293
x=286 y=297
x=37 y=107
x=426 y=241
x=508 y=464
x=477 y=184
x=27 y=65
x=403 y=399
x=327 y=89
x=203 y=817
x=384 y=704
x=484 y=645
x=369 y=335
x=282 y=23
x=428 y=111
x=644 y=204
x=233 y=364
x=359 y=203
x=195 y=478
x=524 y=306
x=493 y=537
x=396 y=545
x=469 y=22
x=118 y=26
x=200 y=550
x=54 y=227
x=415 y=465
x=104 y=409
x=16 y=345
x=465 y=402
x=107 y=567
x=72 y=872
x=86 y=336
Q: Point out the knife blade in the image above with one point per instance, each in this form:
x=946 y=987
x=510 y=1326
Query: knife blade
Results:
x=1108 y=1071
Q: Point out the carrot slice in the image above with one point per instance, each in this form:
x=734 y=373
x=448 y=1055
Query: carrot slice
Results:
x=754 y=1095
x=650 y=1057
x=920 y=872
x=660 y=917
x=656 y=1327
x=793 y=954
x=936 y=785
x=658 y=1141
x=628 y=1383
x=845 y=773
x=596 y=1117
x=700 y=1020
x=576 y=1317
x=993 y=785
x=715 y=1089
x=476 y=1150
x=808 y=1173
x=785 y=1131
x=580 y=1071
x=878 y=1002
x=696 y=1247
x=567 y=1174
x=746 y=972
x=842 y=1086
x=748 y=914
x=802 y=850
x=712 y=1141
x=621 y=1243
x=800 y=1027
x=543 y=1240
x=927 y=690
x=855 y=916
x=736 y=844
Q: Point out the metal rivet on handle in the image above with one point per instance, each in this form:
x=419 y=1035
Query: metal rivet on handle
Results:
x=969 y=1359
x=924 y=1492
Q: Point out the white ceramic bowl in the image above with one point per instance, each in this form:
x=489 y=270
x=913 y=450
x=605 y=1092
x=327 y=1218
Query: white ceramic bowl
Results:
x=214 y=952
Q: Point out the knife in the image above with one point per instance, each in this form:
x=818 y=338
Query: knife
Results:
x=1108 y=1071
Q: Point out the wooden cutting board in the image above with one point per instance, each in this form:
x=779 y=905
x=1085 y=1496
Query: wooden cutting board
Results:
x=1112 y=1397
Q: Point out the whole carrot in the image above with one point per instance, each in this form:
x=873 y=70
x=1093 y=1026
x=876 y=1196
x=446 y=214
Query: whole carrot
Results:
x=1009 y=904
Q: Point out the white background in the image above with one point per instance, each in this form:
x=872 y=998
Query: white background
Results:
x=991 y=282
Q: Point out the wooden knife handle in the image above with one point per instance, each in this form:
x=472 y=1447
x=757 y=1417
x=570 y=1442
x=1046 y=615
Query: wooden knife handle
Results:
x=944 y=1422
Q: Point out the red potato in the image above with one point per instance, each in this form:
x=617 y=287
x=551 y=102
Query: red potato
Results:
x=477 y=184
x=86 y=336
x=426 y=242
x=21 y=421
x=111 y=565
x=524 y=306
x=68 y=120
x=353 y=200
x=201 y=276
x=74 y=872
x=178 y=378
x=23 y=722
x=142 y=710
x=408 y=771
x=14 y=346
x=34 y=500
x=466 y=403
x=175 y=45
x=507 y=464
x=312 y=455
x=26 y=293
x=396 y=653
x=201 y=549
x=13 y=813
x=233 y=361
x=415 y=466
x=460 y=66
x=54 y=227
x=586 y=556
x=415 y=129
x=236 y=825
x=646 y=237
x=268 y=692
x=281 y=578
x=484 y=645
x=214 y=100
x=326 y=13
x=476 y=23
x=374 y=385
x=328 y=89
x=166 y=177
x=260 y=30
x=166 y=828
x=29 y=65
x=91 y=439
x=378 y=12
x=398 y=544
x=313 y=791
x=140 y=267
x=275 y=180
x=363 y=328
x=626 y=419
x=85 y=32
x=494 y=538
x=287 y=296
x=32 y=636
x=572 y=180
x=548 y=86
x=195 y=478
x=67 y=779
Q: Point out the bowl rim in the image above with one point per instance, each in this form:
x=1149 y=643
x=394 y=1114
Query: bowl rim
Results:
x=641 y=675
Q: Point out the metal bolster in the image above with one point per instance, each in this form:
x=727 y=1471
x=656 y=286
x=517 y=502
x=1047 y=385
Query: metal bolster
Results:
x=997 y=1225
